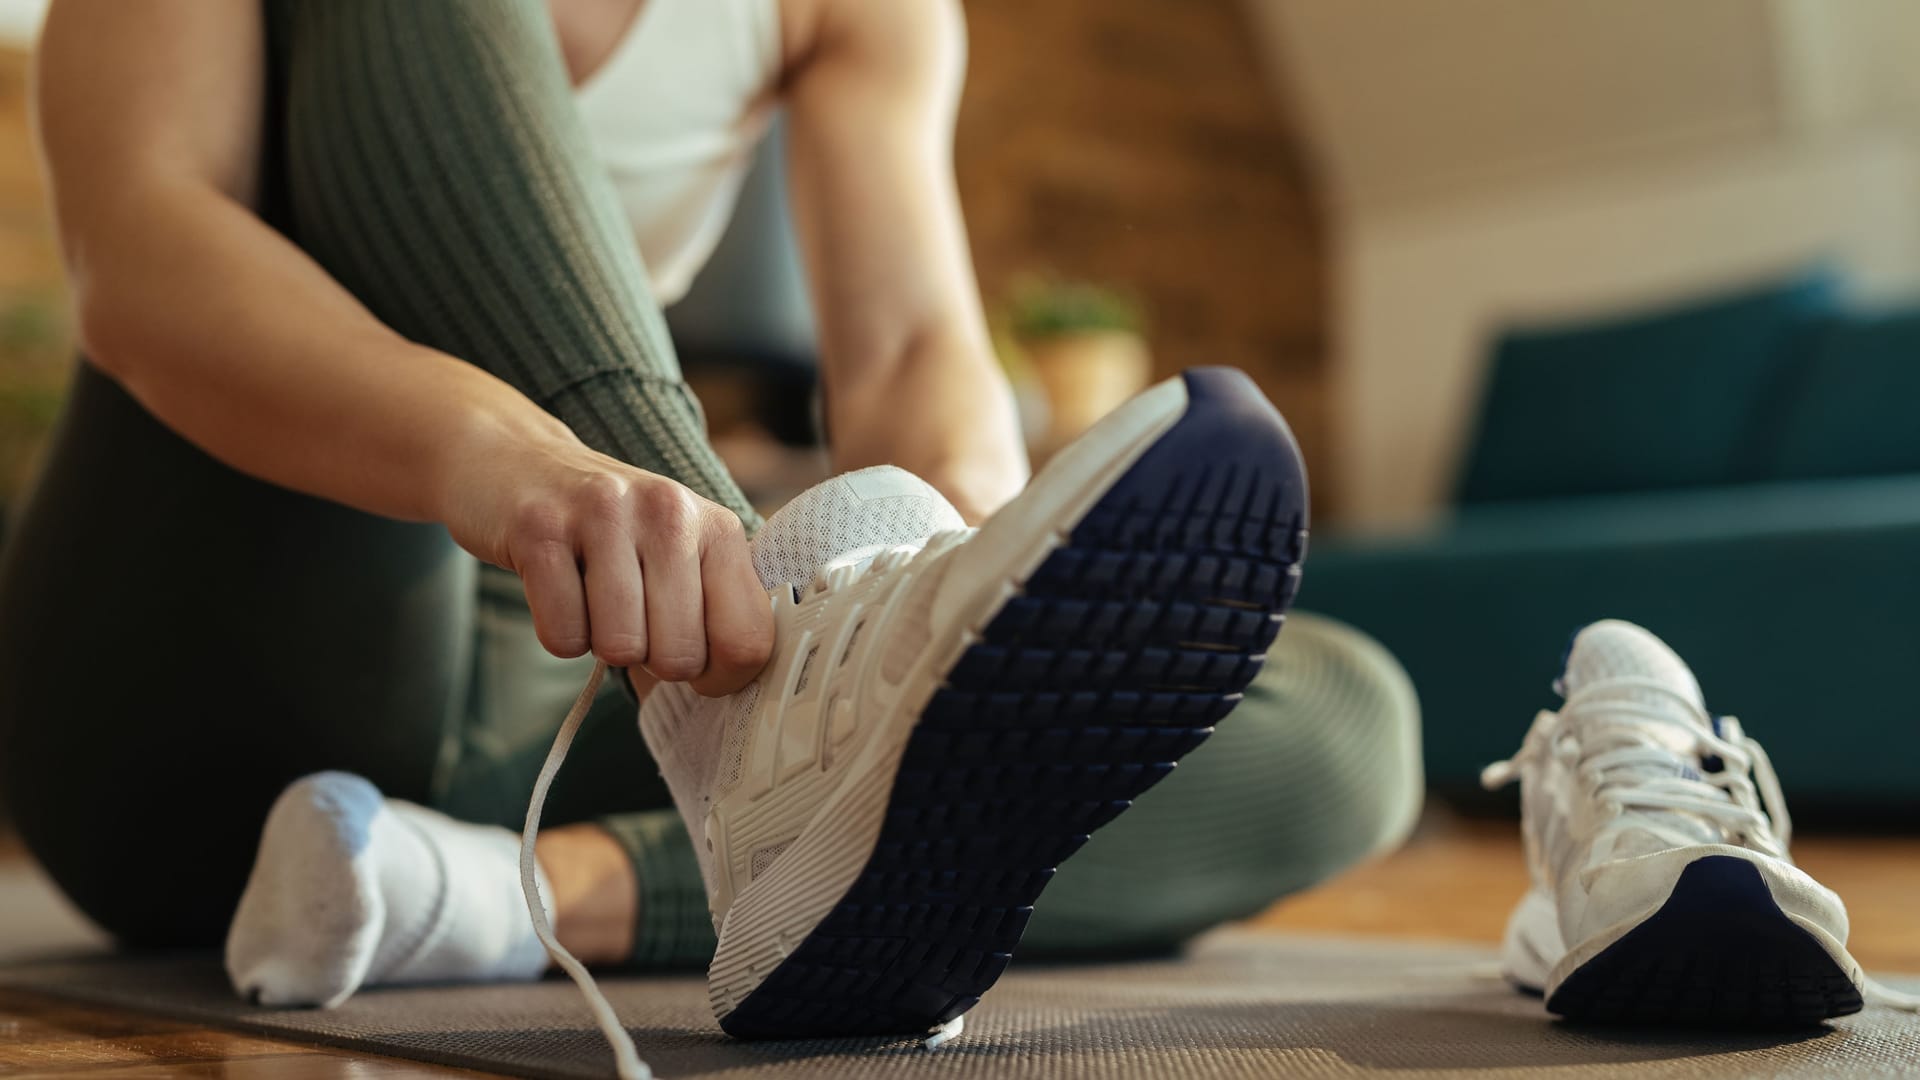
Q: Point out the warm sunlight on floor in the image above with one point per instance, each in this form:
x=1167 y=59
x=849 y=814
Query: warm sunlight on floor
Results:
x=1459 y=878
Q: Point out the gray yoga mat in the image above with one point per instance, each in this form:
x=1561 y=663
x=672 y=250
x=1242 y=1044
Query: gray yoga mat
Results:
x=1240 y=1004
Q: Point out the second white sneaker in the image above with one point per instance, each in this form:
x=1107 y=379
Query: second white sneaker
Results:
x=1657 y=836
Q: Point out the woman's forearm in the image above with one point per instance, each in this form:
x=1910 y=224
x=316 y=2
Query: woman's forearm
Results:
x=239 y=342
x=942 y=410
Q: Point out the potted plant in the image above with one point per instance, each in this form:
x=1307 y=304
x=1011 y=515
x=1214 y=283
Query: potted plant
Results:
x=1082 y=345
x=34 y=344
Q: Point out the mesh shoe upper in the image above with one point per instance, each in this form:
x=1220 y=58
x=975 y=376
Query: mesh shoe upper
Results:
x=822 y=541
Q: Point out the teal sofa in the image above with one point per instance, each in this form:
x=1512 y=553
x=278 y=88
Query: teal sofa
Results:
x=1742 y=476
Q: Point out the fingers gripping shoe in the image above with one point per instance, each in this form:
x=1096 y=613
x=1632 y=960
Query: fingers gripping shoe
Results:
x=947 y=716
x=1657 y=839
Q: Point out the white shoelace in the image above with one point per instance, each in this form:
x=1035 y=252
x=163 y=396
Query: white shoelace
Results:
x=1615 y=746
x=626 y=1058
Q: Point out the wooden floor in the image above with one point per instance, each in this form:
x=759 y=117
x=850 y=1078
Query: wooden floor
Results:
x=1459 y=879
x=44 y=1038
x=1456 y=880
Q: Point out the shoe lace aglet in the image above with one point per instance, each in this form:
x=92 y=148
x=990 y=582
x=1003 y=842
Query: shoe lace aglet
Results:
x=946 y=1032
x=1498 y=775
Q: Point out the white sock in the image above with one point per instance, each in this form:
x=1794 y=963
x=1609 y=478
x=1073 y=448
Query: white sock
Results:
x=354 y=889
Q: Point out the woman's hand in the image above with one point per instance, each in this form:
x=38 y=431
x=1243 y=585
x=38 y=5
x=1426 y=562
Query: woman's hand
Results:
x=630 y=565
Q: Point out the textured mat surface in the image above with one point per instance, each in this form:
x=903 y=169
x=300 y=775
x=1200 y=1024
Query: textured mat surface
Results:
x=1240 y=1005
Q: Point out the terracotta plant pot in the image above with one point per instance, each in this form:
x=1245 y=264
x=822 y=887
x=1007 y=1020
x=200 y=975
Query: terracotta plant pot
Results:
x=1086 y=375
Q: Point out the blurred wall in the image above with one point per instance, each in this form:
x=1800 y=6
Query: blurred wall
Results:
x=1486 y=161
x=1137 y=143
x=20 y=20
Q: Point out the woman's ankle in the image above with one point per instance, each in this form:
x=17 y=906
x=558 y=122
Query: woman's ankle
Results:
x=595 y=896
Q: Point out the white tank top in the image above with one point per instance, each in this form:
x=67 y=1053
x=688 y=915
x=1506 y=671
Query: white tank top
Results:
x=674 y=114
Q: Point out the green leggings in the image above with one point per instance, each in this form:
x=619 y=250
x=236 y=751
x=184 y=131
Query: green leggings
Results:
x=427 y=155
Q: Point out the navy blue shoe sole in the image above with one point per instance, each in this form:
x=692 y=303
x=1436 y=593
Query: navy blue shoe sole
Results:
x=1718 y=954
x=1127 y=644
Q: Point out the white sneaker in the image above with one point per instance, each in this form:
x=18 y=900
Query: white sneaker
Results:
x=947 y=717
x=1662 y=889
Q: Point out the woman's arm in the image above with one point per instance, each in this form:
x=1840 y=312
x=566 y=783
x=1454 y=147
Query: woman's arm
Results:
x=910 y=372
x=150 y=118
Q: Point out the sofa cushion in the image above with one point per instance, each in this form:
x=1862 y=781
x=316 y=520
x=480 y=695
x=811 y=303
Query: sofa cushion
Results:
x=1851 y=411
x=1652 y=401
x=1793 y=602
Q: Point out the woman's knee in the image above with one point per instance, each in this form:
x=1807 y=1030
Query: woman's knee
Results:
x=1347 y=713
x=1316 y=770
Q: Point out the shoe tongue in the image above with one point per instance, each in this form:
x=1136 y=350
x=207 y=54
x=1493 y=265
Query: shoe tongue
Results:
x=1613 y=650
x=851 y=515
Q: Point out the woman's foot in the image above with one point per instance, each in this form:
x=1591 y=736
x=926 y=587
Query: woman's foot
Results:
x=353 y=889
x=947 y=716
